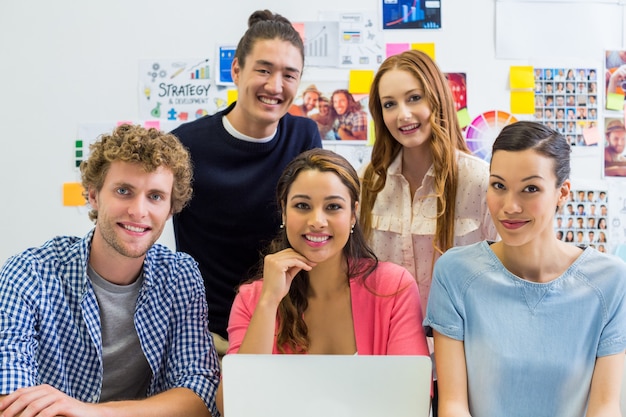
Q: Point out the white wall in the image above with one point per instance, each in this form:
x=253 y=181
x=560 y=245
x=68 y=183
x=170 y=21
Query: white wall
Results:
x=67 y=62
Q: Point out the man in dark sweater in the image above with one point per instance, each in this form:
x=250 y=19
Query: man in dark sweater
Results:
x=238 y=155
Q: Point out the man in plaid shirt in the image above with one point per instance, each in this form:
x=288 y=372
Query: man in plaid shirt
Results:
x=111 y=323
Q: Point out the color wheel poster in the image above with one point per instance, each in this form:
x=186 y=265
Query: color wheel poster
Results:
x=411 y=14
x=484 y=129
x=179 y=90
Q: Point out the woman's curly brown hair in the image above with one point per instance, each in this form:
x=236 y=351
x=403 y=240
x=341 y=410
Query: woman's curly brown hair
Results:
x=151 y=148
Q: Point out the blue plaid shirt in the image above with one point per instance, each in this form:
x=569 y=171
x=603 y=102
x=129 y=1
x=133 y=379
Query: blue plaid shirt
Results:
x=50 y=323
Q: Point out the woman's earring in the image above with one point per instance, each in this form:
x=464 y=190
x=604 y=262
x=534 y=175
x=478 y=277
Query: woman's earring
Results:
x=282 y=225
x=352 y=229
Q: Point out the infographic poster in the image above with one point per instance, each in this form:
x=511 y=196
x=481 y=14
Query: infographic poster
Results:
x=411 y=14
x=179 y=90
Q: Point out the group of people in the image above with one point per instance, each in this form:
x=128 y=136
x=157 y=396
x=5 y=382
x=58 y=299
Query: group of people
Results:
x=427 y=250
x=338 y=118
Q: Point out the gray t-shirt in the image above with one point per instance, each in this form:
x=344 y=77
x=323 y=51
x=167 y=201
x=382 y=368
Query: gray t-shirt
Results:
x=127 y=373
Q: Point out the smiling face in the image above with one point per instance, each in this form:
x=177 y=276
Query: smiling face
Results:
x=340 y=103
x=406 y=112
x=310 y=100
x=133 y=206
x=523 y=197
x=318 y=216
x=617 y=141
x=266 y=86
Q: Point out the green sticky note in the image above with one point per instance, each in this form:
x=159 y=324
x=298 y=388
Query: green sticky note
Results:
x=615 y=101
x=464 y=117
x=79 y=143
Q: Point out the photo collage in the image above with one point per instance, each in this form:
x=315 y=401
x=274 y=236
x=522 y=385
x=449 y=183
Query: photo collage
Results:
x=582 y=221
x=566 y=99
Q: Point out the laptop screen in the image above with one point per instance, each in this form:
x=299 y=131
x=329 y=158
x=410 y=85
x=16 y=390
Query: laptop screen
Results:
x=326 y=385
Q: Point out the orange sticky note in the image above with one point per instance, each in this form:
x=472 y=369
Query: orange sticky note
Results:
x=464 y=117
x=522 y=77
x=73 y=194
x=615 y=101
x=523 y=102
x=231 y=96
x=360 y=81
x=428 y=48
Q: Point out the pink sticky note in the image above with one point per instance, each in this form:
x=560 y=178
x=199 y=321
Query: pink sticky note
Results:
x=152 y=123
x=124 y=122
x=396 y=48
x=591 y=135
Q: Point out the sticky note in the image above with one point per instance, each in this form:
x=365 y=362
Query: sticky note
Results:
x=521 y=77
x=73 y=194
x=152 y=123
x=299 y=27
x=360 y=81
x=591 y=135
x=464 y=117
x=615 y=101
x=124 y=122
x=231 y=96
x=428 y=48
x=396 y=48
x=371 y=133
x=522 y=102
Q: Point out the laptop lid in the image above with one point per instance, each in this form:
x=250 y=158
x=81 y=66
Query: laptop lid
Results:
x=326 y=385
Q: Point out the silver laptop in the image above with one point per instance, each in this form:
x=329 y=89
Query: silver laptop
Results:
x=326 y=385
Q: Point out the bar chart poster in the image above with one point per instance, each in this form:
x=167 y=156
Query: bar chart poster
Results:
x=321 y=44
x=411 y=14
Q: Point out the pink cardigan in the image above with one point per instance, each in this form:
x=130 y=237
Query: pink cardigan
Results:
x=387 y=314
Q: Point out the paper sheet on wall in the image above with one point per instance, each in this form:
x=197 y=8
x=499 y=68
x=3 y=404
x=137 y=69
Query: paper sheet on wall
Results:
x=546 y=29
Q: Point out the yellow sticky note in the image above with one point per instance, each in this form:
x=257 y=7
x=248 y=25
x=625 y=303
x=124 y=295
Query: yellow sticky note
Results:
x=73 y=194
x=231 y=96
x=428 y=48
x=360 y=81
x=615 y=101
x=522 y=77
x=464 y=117
x=522 y=102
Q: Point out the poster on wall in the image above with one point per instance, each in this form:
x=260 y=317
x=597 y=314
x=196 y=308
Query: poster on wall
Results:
x=340 y=115
x=566 y=100
x=321 y=43
x=360 y=41
x=179 y=90
x=584 y=219
x=411 y=14
x=614 y=138
x=615 y=80
x=457 y=81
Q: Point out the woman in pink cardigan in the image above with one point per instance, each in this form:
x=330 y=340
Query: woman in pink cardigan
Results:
x=321 y=289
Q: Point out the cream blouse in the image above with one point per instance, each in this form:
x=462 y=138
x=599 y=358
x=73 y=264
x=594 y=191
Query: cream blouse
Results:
x=403 y=226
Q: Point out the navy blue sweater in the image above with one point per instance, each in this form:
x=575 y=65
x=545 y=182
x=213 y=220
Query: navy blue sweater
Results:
x=233 y=213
